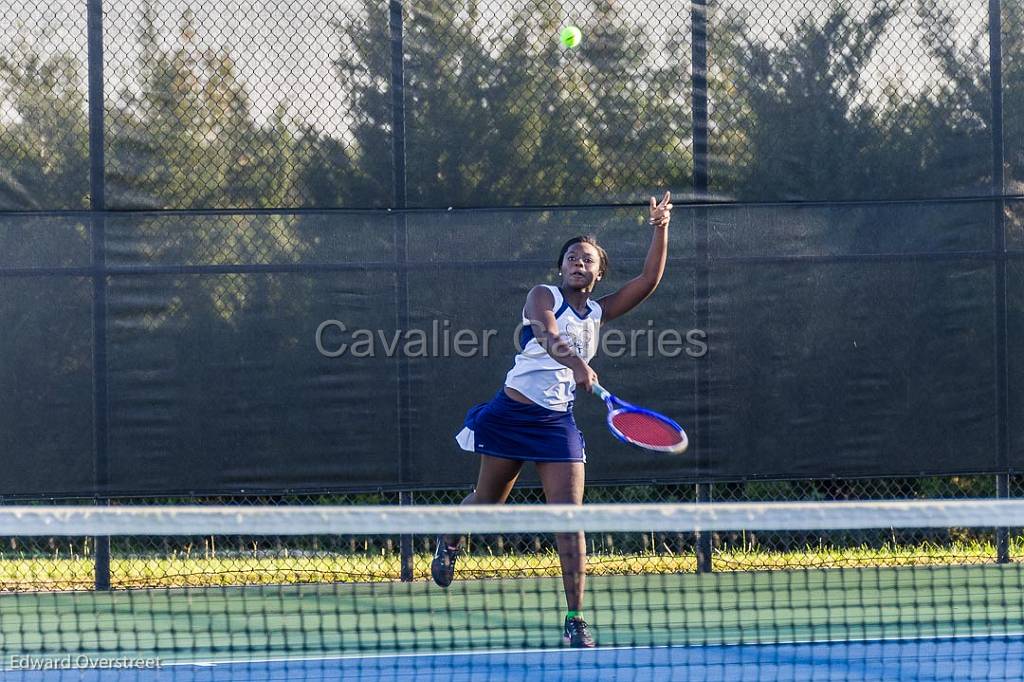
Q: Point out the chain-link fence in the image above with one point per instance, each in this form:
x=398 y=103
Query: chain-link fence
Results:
x=178 y=177
x=227 y=105
x=210 y=108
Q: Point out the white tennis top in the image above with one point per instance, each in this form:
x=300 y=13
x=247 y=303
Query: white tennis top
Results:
x=536 y=374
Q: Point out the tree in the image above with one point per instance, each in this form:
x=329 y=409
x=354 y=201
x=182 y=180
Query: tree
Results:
x=516 y=119
x=44 y=148
x=811 y=123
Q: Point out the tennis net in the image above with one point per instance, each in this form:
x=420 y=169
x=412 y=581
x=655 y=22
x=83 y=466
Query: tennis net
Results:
x=837 y=590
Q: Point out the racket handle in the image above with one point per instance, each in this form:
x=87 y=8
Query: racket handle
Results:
x=601 y=393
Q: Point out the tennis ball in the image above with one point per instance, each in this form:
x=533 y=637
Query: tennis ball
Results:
x=570 y=36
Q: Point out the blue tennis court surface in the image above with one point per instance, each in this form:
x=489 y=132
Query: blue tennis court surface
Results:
x=971 y=658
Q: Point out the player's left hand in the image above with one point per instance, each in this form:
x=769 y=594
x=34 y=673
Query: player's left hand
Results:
x=661 y=213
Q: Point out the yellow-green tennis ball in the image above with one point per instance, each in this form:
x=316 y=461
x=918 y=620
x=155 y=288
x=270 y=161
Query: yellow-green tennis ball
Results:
x=570 y=36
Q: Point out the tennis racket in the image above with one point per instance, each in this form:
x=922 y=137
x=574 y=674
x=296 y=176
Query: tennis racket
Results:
x=640 y=427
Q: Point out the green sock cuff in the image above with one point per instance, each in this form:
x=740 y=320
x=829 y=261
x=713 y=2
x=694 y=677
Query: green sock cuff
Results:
x=571 y=614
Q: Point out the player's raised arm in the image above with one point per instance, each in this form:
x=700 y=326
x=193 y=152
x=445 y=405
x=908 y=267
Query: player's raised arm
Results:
x=637 y=289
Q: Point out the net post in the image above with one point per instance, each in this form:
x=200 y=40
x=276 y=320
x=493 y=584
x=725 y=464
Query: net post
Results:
x=405 y=544
x=1002 y=534
x=703 y=538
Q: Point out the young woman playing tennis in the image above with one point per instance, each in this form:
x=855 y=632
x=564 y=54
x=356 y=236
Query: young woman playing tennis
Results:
x=530 y=418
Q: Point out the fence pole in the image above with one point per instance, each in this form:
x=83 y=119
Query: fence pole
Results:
x=97 y=195
x=399 y=201
x=699 y=87
x=1002 y=534
x=405 y=544
x=995 y=52
x=703 y=538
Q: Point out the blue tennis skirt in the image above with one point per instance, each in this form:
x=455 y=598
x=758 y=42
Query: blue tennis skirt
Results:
x=513 y=430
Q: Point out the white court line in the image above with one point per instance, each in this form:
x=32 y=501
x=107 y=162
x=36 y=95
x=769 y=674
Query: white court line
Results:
x=564 y=650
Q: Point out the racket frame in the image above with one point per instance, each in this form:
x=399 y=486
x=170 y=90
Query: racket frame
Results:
x=617 y=406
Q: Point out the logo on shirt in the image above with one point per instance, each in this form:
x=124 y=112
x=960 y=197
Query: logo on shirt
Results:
x=579 y=337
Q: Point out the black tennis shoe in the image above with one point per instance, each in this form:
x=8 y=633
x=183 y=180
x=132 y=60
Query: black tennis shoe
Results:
x=577 y=634
x=442 y=567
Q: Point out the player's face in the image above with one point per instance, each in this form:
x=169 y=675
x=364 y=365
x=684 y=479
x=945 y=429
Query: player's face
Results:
x=580 y=267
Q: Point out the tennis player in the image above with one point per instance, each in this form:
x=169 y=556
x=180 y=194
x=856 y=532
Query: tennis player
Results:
x=530 y=418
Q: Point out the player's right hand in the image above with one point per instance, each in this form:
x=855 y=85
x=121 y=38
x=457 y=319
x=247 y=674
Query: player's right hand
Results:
x=585 y=377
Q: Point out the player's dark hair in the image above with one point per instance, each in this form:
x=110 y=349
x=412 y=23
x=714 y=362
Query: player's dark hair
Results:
x=586 y=239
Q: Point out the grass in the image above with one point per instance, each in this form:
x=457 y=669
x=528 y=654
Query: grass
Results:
x=62 y=570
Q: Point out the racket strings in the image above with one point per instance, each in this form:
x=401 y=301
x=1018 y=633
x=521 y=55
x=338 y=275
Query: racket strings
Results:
x=646 y=429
